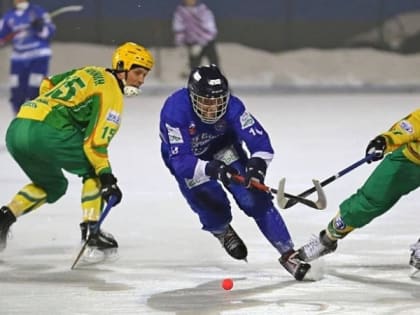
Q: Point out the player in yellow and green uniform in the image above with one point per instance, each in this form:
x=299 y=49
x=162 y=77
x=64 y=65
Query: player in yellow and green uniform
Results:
x=397 y=175
x=69 y=127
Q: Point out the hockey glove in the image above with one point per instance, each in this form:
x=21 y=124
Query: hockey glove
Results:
x=218 y=170
x=376 y=146
x=255 y=171
x=37 y=25
x=109 y=187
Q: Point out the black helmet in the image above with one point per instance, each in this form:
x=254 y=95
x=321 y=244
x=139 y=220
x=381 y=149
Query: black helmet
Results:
x=209 y=93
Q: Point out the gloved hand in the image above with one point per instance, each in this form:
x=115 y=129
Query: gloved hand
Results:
x=109 y=187
x=255 y=170
x=37 y=24
x=378 y=147
x=218 y=170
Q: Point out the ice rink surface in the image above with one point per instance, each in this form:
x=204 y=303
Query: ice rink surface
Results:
x=167 y=265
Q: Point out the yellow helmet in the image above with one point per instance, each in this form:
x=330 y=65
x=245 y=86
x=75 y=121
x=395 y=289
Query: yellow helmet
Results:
x=129 y=54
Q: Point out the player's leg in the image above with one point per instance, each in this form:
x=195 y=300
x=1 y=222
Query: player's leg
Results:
x=19 y=75
x=415 y=257
x=69 y=155
x=259 y=206
x=210 y=52
x=209 y=201
x=194 y=56
x=37 y=72
x=48 y=182
x=101 y=244
x=394 y=177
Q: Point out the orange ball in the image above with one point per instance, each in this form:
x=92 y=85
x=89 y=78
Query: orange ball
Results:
x=227 y=284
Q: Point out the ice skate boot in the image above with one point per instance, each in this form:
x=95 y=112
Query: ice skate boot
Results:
x=83 y=231
x=7 y=218
x=294 y=265
x=415 y=258
x=232 y=243
x=101 y=245
x=316 y=247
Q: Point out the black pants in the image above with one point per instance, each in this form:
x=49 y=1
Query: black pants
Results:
x=208 y=51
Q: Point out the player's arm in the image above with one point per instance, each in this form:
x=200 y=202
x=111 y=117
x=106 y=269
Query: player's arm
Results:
x=404 y=131
x=251 y=132
x=98 y=135
x=5 y=30
x=42 y=24
x=103 y=126
x=178 y=27
x=175 y=136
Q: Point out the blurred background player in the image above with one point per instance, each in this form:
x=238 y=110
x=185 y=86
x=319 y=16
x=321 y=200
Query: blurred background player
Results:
x=30 y=29
x=397 y=175
x=202 y=129
x=195 y=28
x=69 y=127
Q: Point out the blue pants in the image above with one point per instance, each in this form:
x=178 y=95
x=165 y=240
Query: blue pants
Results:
x=210 y=202
x=26 y=76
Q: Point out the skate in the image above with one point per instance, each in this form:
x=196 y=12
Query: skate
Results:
x=7 y=218
x=101 y=245
x=294 y=265
x=232 y=243
x=415 y=259
x=318 y=246
x=83 y=231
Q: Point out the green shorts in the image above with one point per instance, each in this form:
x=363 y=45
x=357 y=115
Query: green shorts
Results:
x=43 y=152
x=393 y=178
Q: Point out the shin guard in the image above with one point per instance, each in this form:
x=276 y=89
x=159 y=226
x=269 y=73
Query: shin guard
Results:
x=275 y=230
x=337 y=228
x=91 y=200
x=27 y=199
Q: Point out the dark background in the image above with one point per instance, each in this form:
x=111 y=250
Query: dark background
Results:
x=272 y=25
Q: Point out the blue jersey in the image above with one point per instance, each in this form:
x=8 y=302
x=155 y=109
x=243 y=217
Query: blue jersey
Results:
x=187 y=141
x=27 y=42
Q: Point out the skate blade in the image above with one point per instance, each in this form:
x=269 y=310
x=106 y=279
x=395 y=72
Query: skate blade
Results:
x=111 y=254
x=94 y=256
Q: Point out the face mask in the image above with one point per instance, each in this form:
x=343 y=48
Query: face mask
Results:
x=22 y=6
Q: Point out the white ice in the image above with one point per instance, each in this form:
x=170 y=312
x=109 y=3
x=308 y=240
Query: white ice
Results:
x=168 y=265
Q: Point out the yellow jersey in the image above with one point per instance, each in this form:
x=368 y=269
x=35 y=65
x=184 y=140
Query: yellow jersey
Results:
x=405 y=132
x=89 y=99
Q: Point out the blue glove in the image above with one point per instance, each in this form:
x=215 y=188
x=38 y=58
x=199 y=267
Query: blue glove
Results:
x=218 y=170
x=255 y=171
x=37 y=25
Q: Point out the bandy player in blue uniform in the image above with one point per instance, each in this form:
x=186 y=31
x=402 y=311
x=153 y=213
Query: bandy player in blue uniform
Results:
x=30 y=29
x=203 y=128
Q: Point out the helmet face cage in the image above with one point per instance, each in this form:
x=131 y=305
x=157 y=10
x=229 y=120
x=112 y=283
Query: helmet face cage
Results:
x=129 y=54
x=209 y=93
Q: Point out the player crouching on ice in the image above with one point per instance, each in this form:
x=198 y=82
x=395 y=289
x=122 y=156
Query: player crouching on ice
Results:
x=202 y=129
x=69 y=127
x=396 y=175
